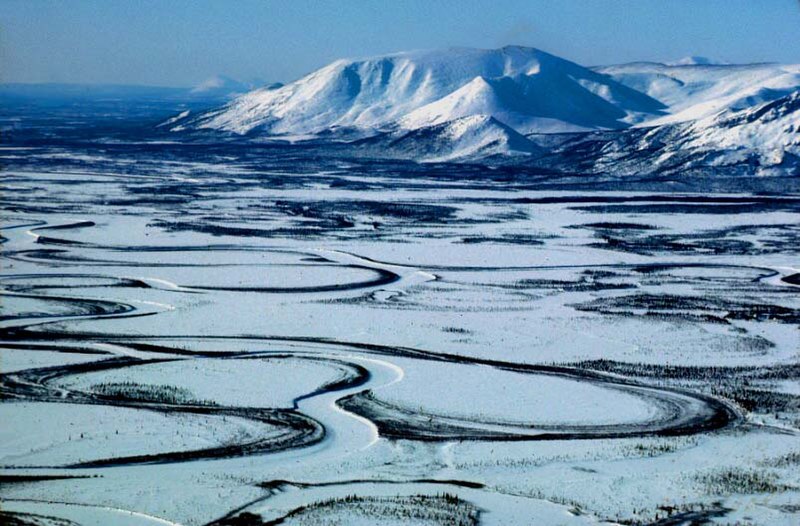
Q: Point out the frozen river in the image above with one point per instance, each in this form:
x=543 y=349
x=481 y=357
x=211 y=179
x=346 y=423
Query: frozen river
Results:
x=212 y=334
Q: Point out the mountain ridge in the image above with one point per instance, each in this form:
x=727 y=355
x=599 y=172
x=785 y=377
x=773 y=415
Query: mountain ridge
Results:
x=762 y=140
x=378 y=92
x=473 y=137
x=410 y=105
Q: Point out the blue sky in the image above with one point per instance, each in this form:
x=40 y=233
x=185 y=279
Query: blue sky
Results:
x=180 y=43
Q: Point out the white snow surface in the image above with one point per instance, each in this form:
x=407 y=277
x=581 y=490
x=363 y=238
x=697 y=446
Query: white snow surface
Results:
x=484 y=393
x=47 y=434
x=270 y=383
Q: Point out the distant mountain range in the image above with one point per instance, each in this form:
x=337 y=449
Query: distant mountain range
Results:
x=522 y=105
x=218 y=88
x=513 y=105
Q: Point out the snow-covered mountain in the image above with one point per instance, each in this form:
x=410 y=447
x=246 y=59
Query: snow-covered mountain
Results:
x=770 y=130
x=221 y=83
x=761 y=140
x=525 y=88
x=474 y=137
x=693 y=60
x=692 y=89
x=467 y=104
x=222 y=86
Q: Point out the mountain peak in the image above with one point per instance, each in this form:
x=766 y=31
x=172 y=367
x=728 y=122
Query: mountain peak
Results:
x=220 y=83
x=693 y=61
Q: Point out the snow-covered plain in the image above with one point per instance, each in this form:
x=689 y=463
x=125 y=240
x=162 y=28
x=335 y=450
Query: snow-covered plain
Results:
x=230 y=333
